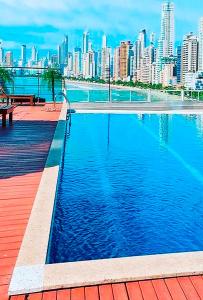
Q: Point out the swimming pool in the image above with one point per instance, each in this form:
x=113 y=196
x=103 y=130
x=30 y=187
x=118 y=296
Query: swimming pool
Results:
x=131 y=185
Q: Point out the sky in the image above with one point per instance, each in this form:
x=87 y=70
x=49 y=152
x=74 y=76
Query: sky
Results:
x=44 y=22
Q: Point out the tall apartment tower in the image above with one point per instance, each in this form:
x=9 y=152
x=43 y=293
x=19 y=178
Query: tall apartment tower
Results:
x=9 y=59
x=189 y=55
x=34 y=54
x=200 y=62
x=105 y=59
x=104 y=41
x=141 y=45
x=1 y=54
x=124 y=60
x=85 y=42
x=77 y=60
x=64 y=48
x=116 y=69
x=167 y=36
x=23 y=55
x=168 y=28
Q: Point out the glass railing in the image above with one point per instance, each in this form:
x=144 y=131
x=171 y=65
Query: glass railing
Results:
x=35 y=85
x=139 y=96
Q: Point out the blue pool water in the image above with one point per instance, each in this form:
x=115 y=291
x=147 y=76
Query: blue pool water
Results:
x=130 y=185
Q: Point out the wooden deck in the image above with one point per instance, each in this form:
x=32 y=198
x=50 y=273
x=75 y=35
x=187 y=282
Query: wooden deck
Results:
x=23 y=152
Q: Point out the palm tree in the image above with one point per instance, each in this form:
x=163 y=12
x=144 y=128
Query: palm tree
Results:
x=5 y=77
x=51 y=76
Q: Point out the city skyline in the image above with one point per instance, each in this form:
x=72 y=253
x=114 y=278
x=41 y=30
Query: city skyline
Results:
x=44 y=24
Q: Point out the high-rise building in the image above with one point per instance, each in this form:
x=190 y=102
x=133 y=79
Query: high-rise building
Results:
x=189 y=62
x=167 y=36
x=34 y=54
x=168 y=28
x=105 y=59
x=147 y=60
x=1 y=54
x=59 y=50
x=179 y=59
x=116 y=71
x=152 y=38
x=98 y=64
x=85 y=42
x=65 y=50
x=23 y=55
x=63 y=53
x=9 y=59
x=200 y=64
x=77 y=60
x=168 y=71
x=104 y=42
x=124 y=60
x=141 y=45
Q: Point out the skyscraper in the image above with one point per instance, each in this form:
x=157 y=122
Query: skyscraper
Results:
x=167 y=28
x=1 y=54
x=167 y=36
x=200 y=67
x=105 y=59
x=64 y=48
x=34 y=54
x=77 y=59
x=85 y=42
x=189 y=55
x=124 y=60
x=179 y=58
x=23 y=55
x=141 y=45
x=9 y=59
x=104 y=42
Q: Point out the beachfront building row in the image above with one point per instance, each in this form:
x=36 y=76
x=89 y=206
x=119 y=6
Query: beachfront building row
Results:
x=146 y=60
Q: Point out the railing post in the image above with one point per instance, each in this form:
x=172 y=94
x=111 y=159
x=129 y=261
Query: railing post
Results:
x=149 y=96
x=130 y=96
x=182 y=94
x=88 y=98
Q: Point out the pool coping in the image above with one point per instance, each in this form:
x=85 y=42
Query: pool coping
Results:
x=32 y=274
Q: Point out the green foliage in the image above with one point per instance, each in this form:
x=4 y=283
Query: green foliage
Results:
x=5 y=77
x=51 y=76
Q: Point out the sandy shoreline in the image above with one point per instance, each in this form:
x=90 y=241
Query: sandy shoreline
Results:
x=156 y=93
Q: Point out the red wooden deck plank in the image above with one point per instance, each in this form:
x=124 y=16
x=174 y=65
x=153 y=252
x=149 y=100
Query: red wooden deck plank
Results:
x=188 y=288
x=134 y=291
x=161 y=289
x=197 y=282
x=105 y=292
x=49 y=295
x=37 y=296
x=119 y=291
x=91 y=293
x=175 y=289
x=78 y=294
x=4 y=280
x=8 y=253
x=19 y=297
x=148 y=291
x=10 y=246
x=63 y=295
